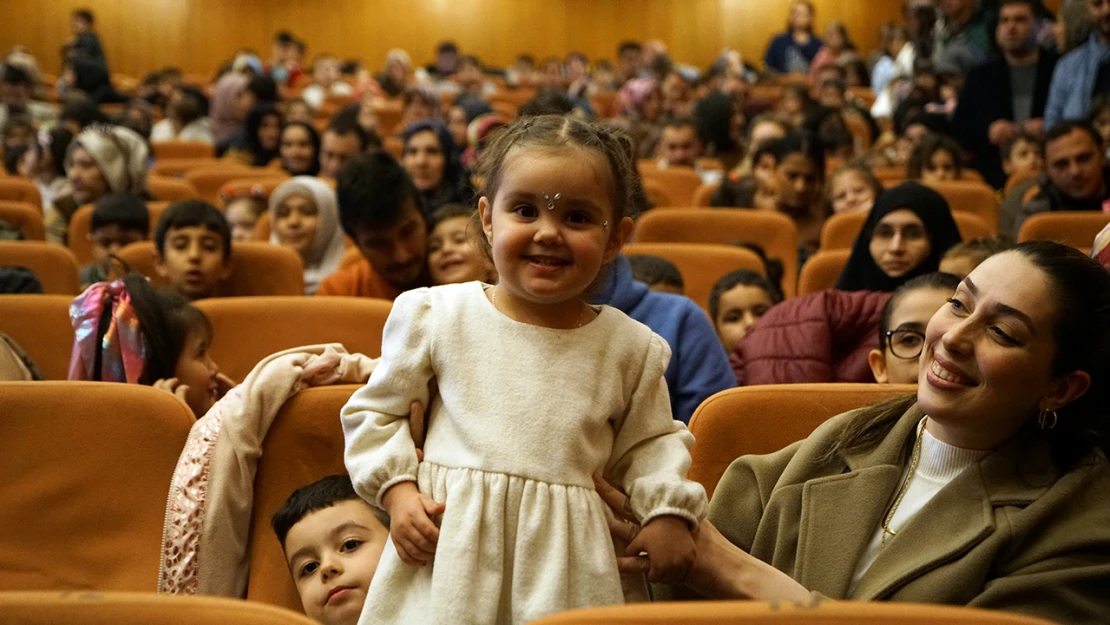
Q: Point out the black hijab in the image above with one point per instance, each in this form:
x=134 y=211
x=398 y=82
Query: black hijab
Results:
x=314 y=139
x=261 y=155
x=863 y=274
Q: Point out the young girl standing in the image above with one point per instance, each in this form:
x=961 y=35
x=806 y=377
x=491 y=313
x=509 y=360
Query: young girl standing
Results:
x=538 y=391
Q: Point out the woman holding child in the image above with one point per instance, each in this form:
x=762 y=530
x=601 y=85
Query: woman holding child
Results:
x=986 y=489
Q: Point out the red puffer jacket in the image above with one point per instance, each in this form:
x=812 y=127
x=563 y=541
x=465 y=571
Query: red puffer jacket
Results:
x=821 y=337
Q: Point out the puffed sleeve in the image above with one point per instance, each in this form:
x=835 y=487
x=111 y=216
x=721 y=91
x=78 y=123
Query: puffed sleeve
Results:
x=379 y=449
x=651 y=452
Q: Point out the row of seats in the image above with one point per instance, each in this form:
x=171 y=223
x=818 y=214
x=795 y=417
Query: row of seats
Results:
x=104 y=474
x=246 y=329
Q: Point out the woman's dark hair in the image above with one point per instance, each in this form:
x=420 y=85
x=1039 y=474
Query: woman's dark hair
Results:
x=165 y=320
x=264 y=89
x=738 y=193
x=799 y=143
x=936 y=280
x=59 y=139
x=313 y=138
x=262 y=156
x=191 y=105
x=12 y=155
x=1080 y=289
x=923 y=155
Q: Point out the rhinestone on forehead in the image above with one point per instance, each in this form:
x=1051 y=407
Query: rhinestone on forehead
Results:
x=551 y=200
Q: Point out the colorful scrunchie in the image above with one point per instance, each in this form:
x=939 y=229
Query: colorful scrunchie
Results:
x=123 y=352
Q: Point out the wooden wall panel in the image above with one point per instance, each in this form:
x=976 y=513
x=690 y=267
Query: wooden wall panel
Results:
x=197 y=35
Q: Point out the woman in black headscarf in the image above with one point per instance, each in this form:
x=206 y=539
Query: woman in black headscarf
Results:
x=258 y=143
x=432 y=159
x=905 y=235
x=721 y=122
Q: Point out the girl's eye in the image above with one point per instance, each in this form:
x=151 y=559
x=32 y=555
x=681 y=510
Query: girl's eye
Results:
x=526 y=211
x=351 y=544
x=579 y=217
x=308 y=568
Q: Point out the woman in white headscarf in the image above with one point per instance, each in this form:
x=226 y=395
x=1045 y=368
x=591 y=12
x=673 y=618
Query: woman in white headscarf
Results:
x=304 y=216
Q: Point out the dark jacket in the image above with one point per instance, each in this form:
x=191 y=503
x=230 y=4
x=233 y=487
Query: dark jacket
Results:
x=988 y=97
x=821 y=337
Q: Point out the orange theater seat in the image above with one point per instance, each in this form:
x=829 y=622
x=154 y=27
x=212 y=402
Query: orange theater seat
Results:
x=247 y=329
x=55 y=266
x=701 y=264
x=840 y=230
x=85 y=488
x=704 y=195
x=764 y=419
x=178 y=167
x=822 y=270
x=209 y=180
x=394 y=145
x=758 y=613
x=166 y=189
x=1075 y=228
x=182 y=149
x=25 y=216
x=256 y=268
x=775 y=232
x=40 y=325
x=17 y=189
x=972 y=196
x=680 y=183
x=77 y=240
x=138 y=608
x=304 y=444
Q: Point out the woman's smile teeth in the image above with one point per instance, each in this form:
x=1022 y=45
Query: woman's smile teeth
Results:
x=948 y=376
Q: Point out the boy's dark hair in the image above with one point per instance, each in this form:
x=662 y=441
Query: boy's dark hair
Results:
x=1067 y=126
x=922 y=155
x=629 y=46
x=934 y=280
x=188 y=214
x=318 y=495
x=165 y=320
x=350 y=67
x=373 y=191
x=452 y=210
x=737 y=278
x=447 y=47
x=127 y=211
x=12 y=155
x=85 y=15
x=16 y=75
x=653 y=270
x=739 y=193
x=284 y=37
x=1010 y=144
x=82 y=113
x=343 y=125
x=798 y=143
x=60 y=138
x=264 y=88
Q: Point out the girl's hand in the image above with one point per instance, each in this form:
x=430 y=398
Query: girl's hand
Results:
x=410 y=523
x=223 y=385
x=173 y=387
x=670 y=547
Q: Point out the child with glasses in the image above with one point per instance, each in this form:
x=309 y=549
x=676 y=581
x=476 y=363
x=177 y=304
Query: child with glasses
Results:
x=902 y=326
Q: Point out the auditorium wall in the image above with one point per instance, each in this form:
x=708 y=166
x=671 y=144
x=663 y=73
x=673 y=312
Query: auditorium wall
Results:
x=197 y=35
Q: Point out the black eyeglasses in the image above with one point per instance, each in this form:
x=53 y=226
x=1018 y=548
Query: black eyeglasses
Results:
x=906 y=344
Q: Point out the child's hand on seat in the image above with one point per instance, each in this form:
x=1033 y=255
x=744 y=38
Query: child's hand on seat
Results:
x=174 y=387
x=669 y=544
x=411 y=528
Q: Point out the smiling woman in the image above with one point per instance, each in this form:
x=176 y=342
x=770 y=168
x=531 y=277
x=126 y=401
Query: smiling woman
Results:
x=305 y=217
x=984 y=490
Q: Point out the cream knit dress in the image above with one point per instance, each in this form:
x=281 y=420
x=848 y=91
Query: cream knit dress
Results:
x=523 y=416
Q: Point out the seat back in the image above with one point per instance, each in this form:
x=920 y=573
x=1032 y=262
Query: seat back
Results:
x=304 y=444
x=260 y=187
x=775 y=232
x=182 y=149
x=138 y=608
x=55 y=266
x=77 y=240
x=40 y=325
x=209 y=180
x=85 y=488
x=758 y=613
x=15 y=189
x=25 y=216
x=679 y=183
x=256 y=268
x=701 y=264
x=247 y=329
x=972 y=196
x=166 y=189
x=840 y=230
x=822 y=270
x=1075 y=228
x=177 y=167
x=704 y=195
x=765 y=419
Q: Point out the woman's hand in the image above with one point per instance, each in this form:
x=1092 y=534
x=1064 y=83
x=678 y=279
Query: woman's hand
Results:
x=411 y=527
x=720 y=570
x=669 y=547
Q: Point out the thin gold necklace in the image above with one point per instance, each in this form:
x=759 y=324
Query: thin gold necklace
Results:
x=905 y=486
x=493 y=300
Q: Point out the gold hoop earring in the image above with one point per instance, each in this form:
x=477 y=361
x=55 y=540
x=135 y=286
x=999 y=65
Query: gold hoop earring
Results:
x=1043 y=419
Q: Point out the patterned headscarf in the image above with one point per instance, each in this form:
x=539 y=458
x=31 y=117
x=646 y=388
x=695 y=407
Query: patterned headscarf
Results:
x=121 y=347
x=1101 y=249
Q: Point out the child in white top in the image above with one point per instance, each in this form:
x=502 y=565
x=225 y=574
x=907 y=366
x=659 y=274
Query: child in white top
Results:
x=538 y=391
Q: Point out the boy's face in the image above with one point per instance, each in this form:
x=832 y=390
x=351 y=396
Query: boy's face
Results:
x=1025 y=157
x=332 y=554
x=108 y=240
x=193 y=261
